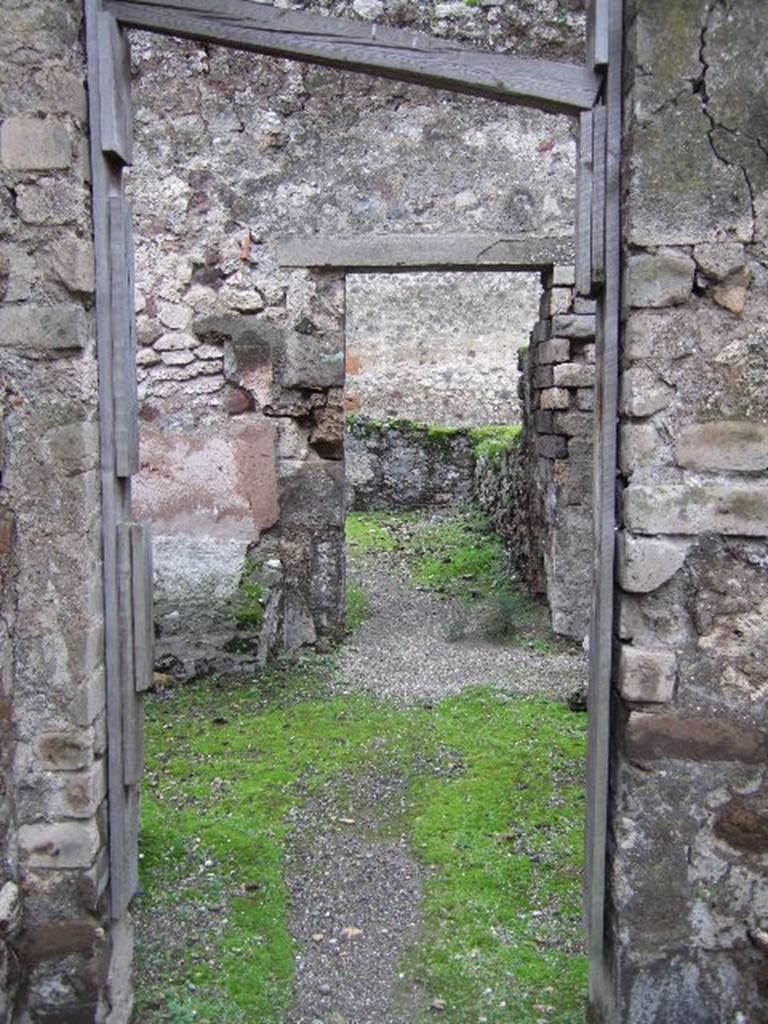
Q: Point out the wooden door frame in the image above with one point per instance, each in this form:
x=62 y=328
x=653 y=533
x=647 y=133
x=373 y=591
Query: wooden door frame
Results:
x=591 y=91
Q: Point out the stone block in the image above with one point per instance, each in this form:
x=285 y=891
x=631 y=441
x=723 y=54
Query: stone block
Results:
x=563 y=275
x=554 y=398
x=560 y=301
x=574 y=375
x=652 y=737
x=65 y=844
x=731 y=294
x=80 y=794
x=743 y=822
x=176 y=341
x=718 y=260
x=50 y=201
x=638 y=446
x=63 y=751
x=49 y=940
x=584 y=352
x=730 y=445
x=585 y=399
x=543 y=422
x=647 y=676
x=43 y=329
x=689 y=510
x=541 y=331
x=34 y=144
x=10 y=910
x=551 y=446
x=543 y=377
x=74 y=265
x=659 y=279
x=574 y=325
x=582 y=305
x=556 y=350
x=643 y=393
x=313 y=496
x=312 y=361
x=645 y=563
x=574 y=424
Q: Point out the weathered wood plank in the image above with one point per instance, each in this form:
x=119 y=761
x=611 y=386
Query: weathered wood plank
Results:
x=115 y=89
x=425 y=252
x=597 y=33
x=597 y=233
x=583 y=261
x=604 y=531
x=372 y=49
x=106 y=179
x=132 y=726
x=124 y=383
x=143 y=625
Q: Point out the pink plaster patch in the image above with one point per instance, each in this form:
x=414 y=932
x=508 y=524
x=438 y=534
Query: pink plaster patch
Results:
x=218 y=483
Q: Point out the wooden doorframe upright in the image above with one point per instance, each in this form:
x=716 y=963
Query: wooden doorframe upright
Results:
x=592 y=92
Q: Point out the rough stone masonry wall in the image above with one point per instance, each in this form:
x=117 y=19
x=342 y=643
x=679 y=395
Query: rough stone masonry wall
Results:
x=546 y=513
x=55 y=948
x=233 y=152
x=689 y=819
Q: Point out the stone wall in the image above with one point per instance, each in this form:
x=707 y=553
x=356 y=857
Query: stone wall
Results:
x=55 y=943
x=689 y=820
x=400 y=465
x=548 y=515
x=243 y=479
x=438 y=348
x=249 y=150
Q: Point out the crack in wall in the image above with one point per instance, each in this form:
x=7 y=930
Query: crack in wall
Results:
x=700 y=89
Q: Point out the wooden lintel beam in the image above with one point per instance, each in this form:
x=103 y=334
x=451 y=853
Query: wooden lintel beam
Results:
x=396 y=252
x=368 y=48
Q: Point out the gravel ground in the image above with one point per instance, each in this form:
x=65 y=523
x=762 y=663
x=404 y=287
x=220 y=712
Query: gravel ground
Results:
x=355 y=892
x=402 y=650
x=355 y=902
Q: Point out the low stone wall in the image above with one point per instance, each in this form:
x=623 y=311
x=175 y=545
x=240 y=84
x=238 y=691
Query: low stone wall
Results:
x=399 y=465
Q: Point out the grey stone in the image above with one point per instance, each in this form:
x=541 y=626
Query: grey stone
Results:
x=50 y=201
x=689 y=510
x=60 y=845
x=661 y=279
x=39 y=329
x=643 y=393
x=585 y=399
x=574 y=375
x=10 y=910
x=645 y=563
x=33 y=144
x=718 y=260
x=543 y=377
x=731 y=445
x=646 y=676
x=574 y=424
x=74 y=265
x=556 y=350
x=554 y=398
x=551 y=446
x=575 y=325
x=312 y=361
x=563 y=275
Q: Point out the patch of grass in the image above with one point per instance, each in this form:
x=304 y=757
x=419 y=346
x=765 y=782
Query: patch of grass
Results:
x=357 y=606
x=491 y=443
x=369 y=533
x=502 y=936
x=460 y=556
x=225 y=764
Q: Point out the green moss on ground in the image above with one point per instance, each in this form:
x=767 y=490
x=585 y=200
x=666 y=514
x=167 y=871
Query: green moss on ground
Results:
x=502 y=831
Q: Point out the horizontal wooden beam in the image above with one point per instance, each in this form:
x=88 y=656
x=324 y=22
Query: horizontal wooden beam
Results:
x=369 y=253
x=369 y=48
